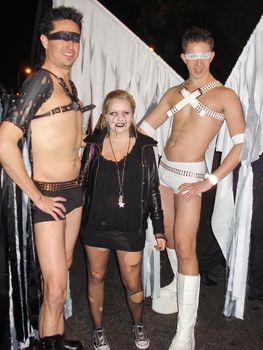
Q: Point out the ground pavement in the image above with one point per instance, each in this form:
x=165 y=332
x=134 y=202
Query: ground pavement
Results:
x=213 y=330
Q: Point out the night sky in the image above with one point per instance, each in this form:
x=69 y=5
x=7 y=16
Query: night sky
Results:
x=17 y=28
x=158 y=23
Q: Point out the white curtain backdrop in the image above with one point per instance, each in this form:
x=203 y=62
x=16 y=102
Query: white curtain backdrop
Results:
x=113 y=57
x=246 y=79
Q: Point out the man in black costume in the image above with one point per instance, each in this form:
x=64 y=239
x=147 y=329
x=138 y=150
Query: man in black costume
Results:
x=48 y=115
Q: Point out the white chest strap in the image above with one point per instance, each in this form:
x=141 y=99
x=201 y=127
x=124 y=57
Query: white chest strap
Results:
x=188 y=99
x=191 y=98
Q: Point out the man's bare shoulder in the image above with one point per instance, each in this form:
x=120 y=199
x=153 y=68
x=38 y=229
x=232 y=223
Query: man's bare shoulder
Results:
x=174 y=89
x=226 y=92
x=231 y=105
x=224 y=96
x=171 y=94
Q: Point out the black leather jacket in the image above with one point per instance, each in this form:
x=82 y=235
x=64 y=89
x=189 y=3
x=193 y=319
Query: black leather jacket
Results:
x=150 y=195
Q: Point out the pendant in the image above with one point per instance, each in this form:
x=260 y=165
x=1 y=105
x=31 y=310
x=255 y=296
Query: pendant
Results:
x=121 y=201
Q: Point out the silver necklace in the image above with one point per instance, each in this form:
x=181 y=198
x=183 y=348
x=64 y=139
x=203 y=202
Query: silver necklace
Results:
x=121 y=202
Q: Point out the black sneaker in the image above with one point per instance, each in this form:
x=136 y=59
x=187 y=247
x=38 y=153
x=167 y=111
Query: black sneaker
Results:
x=100 y=341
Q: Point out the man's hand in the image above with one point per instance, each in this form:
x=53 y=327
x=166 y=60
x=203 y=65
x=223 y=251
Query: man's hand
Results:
x=52 y=206
x=188 y=190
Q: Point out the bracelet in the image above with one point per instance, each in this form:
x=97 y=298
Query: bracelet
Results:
x=160 y=235
x=212 y=178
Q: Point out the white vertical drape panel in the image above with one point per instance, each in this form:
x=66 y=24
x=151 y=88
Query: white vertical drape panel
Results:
x=233 y=234
x=111 y=57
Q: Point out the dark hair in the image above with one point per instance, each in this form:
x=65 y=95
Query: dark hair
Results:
x=196 y=34
x=56 y=14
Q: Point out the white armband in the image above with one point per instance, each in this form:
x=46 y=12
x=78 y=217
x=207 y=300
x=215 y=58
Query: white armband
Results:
x=239 y=138
x=148 y=129
x=212 y=178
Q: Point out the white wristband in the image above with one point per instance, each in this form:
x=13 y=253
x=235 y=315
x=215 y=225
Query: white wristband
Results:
x=212 y=178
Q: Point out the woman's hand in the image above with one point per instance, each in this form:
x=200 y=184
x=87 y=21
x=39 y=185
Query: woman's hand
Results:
x=160 y=243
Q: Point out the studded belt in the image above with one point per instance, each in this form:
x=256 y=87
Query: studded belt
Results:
x=57 y=186
x=182 y=172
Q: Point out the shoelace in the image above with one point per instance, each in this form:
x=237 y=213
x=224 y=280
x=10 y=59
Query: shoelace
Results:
x=140 y=332
x=101 y=337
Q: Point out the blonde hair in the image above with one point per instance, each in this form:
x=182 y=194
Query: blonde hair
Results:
x=121 y=95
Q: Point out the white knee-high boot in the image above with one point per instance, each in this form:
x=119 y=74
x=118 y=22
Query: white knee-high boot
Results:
x=167 y=301
x=188 y=299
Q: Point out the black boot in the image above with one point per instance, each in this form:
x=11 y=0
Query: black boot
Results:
x=68 y=344
x=57 y=342
x=73 y=345
x=50 y=343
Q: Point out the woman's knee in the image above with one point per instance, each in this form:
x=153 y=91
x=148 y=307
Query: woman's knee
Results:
x=96 y=277
x=136 y=297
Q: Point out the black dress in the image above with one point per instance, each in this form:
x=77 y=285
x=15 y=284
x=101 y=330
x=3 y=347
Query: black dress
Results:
x=108 y=225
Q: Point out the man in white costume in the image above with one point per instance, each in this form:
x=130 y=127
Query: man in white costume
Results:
x=198 y=107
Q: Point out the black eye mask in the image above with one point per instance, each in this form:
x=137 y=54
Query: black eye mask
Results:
x=67 y=36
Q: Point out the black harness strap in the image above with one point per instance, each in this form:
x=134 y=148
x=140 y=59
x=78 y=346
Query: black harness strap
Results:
x=72 y=106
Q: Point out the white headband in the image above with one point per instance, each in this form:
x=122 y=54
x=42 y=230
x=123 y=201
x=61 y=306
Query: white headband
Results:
x=198 y=56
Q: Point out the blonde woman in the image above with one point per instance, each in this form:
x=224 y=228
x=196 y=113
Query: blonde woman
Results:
x=122 y=190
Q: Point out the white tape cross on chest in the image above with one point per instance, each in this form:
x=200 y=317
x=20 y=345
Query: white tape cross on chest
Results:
x=191 y=98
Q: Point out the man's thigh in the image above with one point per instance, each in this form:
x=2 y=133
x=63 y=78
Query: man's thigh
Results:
x=51 y=249
x=187 y=217
x=73 y=220
x=167 y=197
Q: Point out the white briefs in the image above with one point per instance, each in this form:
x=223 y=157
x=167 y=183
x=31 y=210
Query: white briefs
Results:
x=174 y=174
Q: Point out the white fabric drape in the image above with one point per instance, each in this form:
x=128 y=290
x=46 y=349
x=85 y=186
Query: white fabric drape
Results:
x=111 y=57
x=246 y=79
